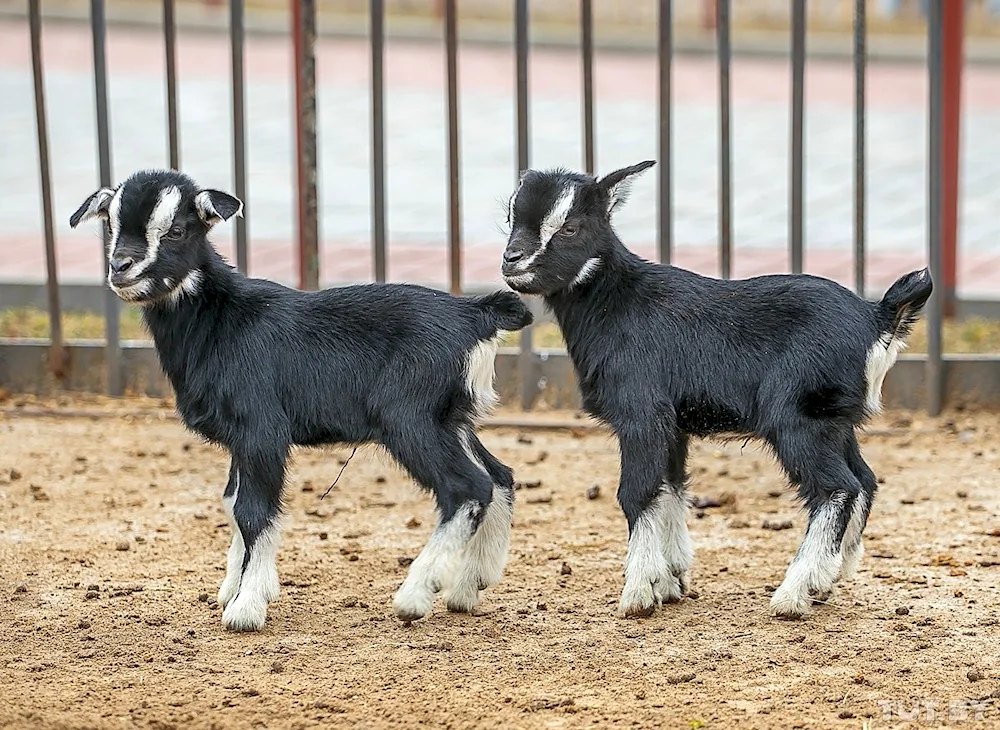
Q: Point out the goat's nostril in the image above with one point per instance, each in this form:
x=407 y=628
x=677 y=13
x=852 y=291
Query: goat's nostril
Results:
x=512 y=257
x=121 y=264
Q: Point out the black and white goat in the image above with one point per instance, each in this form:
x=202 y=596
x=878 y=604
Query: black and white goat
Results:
x=663 y=354
x=259 y=368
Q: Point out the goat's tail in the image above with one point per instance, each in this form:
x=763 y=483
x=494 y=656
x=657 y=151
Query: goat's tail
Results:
x=504 y=310
x=901 y=306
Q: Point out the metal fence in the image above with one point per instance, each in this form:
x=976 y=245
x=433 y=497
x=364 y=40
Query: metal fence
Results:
x=944 y=60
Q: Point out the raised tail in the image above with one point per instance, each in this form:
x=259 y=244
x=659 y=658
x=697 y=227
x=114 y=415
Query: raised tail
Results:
x=504 y=310
x=901 y=306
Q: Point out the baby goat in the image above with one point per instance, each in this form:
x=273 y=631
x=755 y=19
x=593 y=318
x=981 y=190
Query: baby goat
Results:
x=663 y=354
x=258 y=368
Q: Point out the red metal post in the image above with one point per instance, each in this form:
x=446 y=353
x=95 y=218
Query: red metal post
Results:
x=953 y=21
x=304 y=44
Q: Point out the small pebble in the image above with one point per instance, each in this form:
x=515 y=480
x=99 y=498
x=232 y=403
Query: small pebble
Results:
x=380 y=480
x=277 y=667
x=680 y=678
x=845 y=715
x=91 y=594
x=777 y=525
x=906 y=500
x=22 y=588
x=93 y=587
x=961 y=494
x=543 y=607
x=902 y=611
x=404 y=561
x=594 y=492
x=693 y=595
x=974 y=675
x=203 y=597
x=353 y=558
x=83 y=624
x=522 y=439
x=413 y=523
x=323 y=536
x=123 y=546
x=775 y=493
x=566 y=570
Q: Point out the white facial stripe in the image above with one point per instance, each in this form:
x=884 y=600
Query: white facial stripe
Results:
x=159 y=222
x=114 y=221
x=556 y=216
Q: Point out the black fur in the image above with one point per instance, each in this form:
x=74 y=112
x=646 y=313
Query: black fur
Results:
x=662 y=353
x=258 y=368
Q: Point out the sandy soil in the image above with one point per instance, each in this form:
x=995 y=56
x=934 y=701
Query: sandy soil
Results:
x=112 y=545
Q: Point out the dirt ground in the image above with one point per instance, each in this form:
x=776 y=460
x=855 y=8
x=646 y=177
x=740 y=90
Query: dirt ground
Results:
x=113 y=541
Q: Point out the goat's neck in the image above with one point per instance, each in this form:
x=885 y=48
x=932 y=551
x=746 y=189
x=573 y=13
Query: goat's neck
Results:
x=182 y=327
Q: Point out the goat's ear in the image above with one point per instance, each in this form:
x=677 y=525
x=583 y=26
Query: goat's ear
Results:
x=96 y=206
x=215 y=206
x=618 y=184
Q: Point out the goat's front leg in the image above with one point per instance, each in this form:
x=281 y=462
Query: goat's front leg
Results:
x=255 y=502
x=659 y=548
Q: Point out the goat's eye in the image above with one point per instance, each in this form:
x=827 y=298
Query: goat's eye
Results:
x=174 y=233
x=569 y=230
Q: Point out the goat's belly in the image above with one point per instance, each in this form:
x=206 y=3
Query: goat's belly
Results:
x=707 y=418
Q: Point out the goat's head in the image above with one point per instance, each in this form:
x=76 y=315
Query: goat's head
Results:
x=157 y=221
x=561 y=227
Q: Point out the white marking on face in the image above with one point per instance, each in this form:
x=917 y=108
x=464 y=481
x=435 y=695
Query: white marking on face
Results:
x=551 y=223
x=586 y=271
x=817 y=564
x=881 y=357
x=159 y=223
x=479 y=374
x=114 y=221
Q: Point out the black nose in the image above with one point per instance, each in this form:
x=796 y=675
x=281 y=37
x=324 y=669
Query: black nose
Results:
x=121 y=264
x=512 y=256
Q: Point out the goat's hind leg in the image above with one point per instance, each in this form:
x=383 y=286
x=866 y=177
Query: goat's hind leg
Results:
x=830 y=491
x=256 y=504
x=853 y=545
x=485 y=555
x=234 y=562
x=435 y=457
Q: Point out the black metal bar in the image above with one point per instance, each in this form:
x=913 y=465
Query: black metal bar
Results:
x=377 y=8
x=587 y=51
x=725 y=144
x=57 y=354
x=664 y=229
x=526 y=360
x=170 y=46
x=796 y=232
x=860 y=60
x=304 y=42
x=112 y=306
x=236 y=36
x=454 y=181
x=935 y=118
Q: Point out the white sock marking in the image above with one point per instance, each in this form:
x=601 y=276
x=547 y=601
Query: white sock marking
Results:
x=258 y=586
x=854 y=547
x=659 y=555
x=234 y=561
x=815 y=567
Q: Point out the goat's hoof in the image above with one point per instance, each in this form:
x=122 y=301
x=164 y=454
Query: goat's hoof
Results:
x=412 y=605
x=462 y=599
x=245 y=613
x=790 y=603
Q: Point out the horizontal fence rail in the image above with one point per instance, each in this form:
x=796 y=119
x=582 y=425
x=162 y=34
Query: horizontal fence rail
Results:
x=534 y=370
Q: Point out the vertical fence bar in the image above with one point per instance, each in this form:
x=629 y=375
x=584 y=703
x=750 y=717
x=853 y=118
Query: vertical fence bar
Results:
x=953 y=24
x=664 y=52
x=236 y=36
x=526 y=360
x=454 y=160
x=304 y=43
x=377 y=8
x=587 y=51
x=111 y=303
x=170 y=48
x=860 y=60
x=796 y=230
x=57 y=355
x=935 y=307
x=725 y=144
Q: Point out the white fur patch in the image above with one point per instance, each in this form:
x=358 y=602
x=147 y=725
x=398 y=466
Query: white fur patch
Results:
x=551 y=223
x=816 y=566
x=189 y=286
x=159 y=223
x=247 y=611
x=659 y=556
x=132 y=292
x=234 y=561
x=854 y=548
x=114 y=221
x=519 y=279
x=434 y=569
x=586 y=271
x=479 y=374
x=206 y=210
x=881 y=357
x=98 y=203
